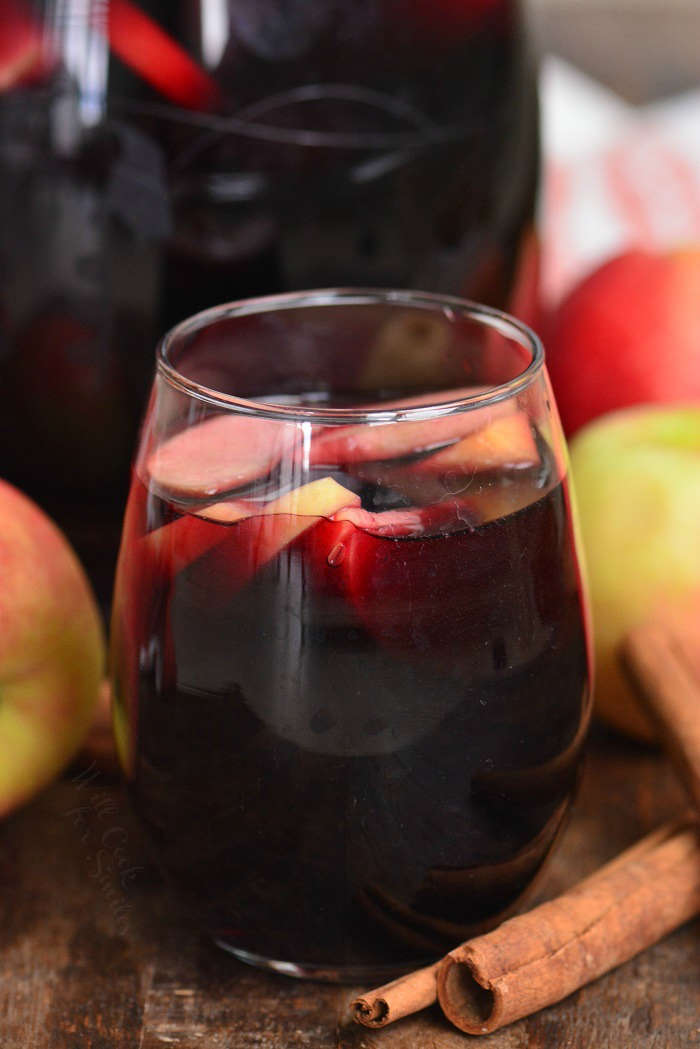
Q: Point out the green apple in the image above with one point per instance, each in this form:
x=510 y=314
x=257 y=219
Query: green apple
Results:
x=637 y=479
x=51 y=650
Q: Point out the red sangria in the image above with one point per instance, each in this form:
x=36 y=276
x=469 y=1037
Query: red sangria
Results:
x=349 y=643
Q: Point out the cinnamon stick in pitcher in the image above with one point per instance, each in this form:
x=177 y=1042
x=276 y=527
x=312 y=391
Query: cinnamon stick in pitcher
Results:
x=662 y=659
x=540 y=957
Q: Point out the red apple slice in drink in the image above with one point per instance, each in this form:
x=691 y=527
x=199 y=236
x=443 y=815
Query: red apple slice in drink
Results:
x=388 y=522
x=148 y=562
x=260 y=530
x=345 y=445
x=230 y=511
x=336 y=550
x=218 y=455
x=257 y=533
x=415 y=577
x=504 y=444
x=149 y=565
x=253 y=542
x=404 y=586
x=412 y=522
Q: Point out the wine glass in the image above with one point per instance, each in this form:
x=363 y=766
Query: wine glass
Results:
x=349 y=643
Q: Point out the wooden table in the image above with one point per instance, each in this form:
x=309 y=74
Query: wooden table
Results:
x=91 y=957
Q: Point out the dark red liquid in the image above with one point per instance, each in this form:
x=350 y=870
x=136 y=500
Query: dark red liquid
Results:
x=362 y=752
x=391 y=144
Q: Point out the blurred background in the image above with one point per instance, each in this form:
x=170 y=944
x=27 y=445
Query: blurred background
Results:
x=644 y=49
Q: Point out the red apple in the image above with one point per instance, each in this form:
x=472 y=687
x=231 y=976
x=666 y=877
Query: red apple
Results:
x=51 y=650
x=628 y=334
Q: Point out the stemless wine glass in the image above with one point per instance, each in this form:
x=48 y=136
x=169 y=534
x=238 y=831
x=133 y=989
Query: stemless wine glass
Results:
x=349 y=637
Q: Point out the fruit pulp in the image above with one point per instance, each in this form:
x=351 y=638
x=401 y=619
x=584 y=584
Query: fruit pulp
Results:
x=356 y=748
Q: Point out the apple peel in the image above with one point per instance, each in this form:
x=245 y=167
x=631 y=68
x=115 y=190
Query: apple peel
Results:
x=254 y=541
x=412 y=522
x=222 y=453
x=258 y=531
x=505 y=443
x=367 y=443
x=51 y=650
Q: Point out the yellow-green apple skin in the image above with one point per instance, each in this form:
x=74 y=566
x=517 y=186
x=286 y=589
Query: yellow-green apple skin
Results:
x=51 y=650
x=637 y=479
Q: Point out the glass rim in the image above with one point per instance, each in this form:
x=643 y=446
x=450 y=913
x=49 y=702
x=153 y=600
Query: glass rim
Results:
x=448 y=305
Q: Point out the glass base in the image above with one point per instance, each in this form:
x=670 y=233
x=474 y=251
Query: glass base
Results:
x=351 y=974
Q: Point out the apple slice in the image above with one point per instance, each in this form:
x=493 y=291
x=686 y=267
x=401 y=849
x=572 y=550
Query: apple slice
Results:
x=387 y=522
x=413 y=522
x=367 y=443
x=257 y=540
x=220 y=454
x=403 y=587
x=409 y=350
x=505 y=443
x=24 y=56
x=263 y=529
x=236 y=552
x=229 y=511
x=142 y=45
x=148 y=562
x=148 y=565
x=491 y=502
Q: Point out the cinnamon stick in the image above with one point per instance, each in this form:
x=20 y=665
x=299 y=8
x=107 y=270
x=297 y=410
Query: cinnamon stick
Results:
x=662 y=659
x=408 y=994
x=538 y=958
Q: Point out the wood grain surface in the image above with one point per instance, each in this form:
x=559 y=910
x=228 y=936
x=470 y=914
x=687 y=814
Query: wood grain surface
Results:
x=92 y=956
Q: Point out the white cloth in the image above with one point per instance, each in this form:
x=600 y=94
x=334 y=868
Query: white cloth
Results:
x=615 y=176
